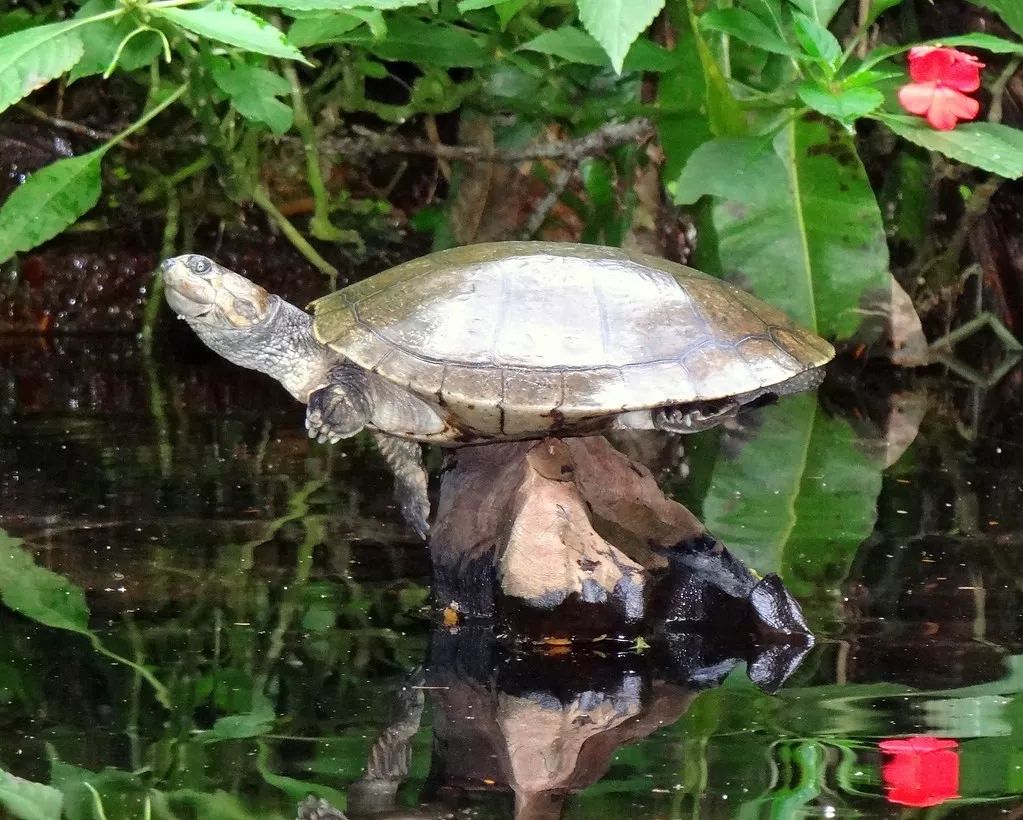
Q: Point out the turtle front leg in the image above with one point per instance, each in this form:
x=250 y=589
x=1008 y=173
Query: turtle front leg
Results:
x=341 y=408
x=405 y=458
x=692 y=418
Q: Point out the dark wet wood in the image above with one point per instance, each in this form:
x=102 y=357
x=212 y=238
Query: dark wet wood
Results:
x=557 y=526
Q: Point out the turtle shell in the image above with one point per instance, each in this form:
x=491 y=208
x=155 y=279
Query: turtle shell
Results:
x=512 y=338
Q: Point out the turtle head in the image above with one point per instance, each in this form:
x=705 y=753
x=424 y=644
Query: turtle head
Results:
x=203 y=293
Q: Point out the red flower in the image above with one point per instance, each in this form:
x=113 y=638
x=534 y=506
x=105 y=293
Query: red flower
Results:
x=923 y=771
x=940 y=76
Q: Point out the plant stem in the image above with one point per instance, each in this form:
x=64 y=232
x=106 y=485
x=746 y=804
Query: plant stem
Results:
x=320 y=224
x=145 y=118
x=262 y=199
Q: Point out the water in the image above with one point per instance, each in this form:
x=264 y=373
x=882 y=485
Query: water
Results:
x=207 y=617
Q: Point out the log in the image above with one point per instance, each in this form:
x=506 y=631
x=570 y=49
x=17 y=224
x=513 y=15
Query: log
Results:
x=570 y=539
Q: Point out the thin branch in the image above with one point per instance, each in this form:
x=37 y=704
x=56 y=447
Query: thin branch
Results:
x=367 y=143
x=68 y=125
x=546 y=205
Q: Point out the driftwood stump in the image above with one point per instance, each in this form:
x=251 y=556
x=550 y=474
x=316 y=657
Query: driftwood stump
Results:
x=569 y=538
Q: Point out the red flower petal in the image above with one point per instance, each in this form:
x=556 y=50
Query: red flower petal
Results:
x=943 y=107
x=950 y=67
x=916 y=98
x=949 y=107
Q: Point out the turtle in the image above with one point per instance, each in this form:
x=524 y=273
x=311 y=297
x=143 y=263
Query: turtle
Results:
x=504 y=341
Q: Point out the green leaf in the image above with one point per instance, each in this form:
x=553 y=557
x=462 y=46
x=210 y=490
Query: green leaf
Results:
x=1011 y=11
x=817 y=41
x=568 y=43
x=237 y=727
x=744 y=169
x=987 y=42
x=821 y=11
x=576 y=46
x=336 y=5
x=120 y=793
x=798 y=498
x=818 y=248
x=322 y=28
x=29 y=59
x=993 y=147
x=418 y=41
x=26 y=800
x=225 y=22
x=746 y=26
x=845 y=106
x=50 y=200
x=103 y=39
x=252 y=91
x=476 y=5
x=507 y=11
x=35 y=591
x=879 y=7
x=616 y=24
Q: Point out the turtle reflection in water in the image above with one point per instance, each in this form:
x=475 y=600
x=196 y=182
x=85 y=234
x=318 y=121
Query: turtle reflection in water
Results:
x=503 y=341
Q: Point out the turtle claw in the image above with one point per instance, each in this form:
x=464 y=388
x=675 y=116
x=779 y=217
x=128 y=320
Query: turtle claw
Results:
x=334 y=414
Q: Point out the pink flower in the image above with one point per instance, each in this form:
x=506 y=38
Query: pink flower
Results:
x=940 y=78
x=923 y=770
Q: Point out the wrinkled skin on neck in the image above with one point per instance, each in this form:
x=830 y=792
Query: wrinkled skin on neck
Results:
x=247 y=325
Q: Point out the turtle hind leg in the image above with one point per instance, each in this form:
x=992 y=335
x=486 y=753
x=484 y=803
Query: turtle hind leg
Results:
x=692 y=418
x=404 y=457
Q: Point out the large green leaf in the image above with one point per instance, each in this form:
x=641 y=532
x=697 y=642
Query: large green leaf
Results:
x=798 y=498
x=817 y=249
x=1011 y=11
x=616 y=24
x=993 y=147
x=49 y=201
x=225 y=22
x=38 y=593
x=26 y=800
x=31 y=58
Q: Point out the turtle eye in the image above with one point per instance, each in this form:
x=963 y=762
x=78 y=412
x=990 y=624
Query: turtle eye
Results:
x=200 y=264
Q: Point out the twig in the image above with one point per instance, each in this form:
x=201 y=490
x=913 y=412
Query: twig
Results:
x=546 y=205
x=73 y=127
x=262 y=199
x=367 y=143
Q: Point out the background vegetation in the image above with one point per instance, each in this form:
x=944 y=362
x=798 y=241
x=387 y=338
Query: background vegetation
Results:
x=765 y=118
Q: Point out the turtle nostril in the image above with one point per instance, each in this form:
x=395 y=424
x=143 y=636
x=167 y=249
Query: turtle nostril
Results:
x=166 y=265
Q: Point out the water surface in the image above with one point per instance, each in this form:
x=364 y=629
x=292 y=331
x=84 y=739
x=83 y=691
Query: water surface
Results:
x=207 y=616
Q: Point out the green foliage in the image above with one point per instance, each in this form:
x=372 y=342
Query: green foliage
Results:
x=822 y=227
x=796 y=500
x=26 y=800
x=1011 y=11
x=226 y=23
x=616 y=24
x=744 y=90
x=993 y=147
x=37 y=593
x=31 y=58
x=50 y=201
